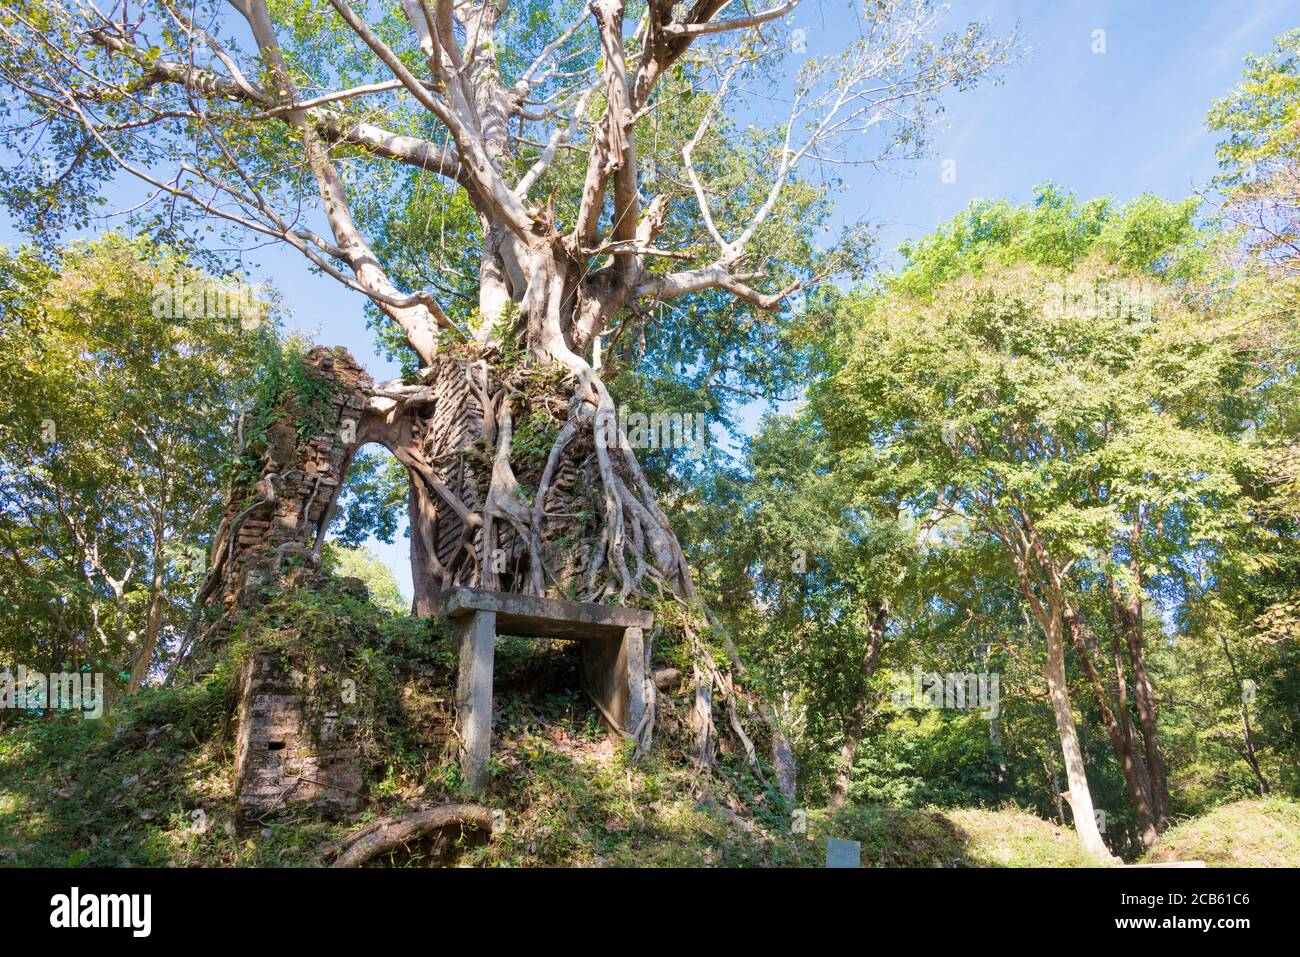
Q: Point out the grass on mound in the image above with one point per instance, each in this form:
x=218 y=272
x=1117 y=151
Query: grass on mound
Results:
x=152 y=783
x=1010 y=837
x=1257 y=833
x=900 y=837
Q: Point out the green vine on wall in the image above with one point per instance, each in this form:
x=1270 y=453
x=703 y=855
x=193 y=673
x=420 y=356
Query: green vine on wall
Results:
x=286 y=388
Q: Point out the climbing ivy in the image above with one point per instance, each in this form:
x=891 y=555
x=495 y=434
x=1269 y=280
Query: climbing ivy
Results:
x=285 y=386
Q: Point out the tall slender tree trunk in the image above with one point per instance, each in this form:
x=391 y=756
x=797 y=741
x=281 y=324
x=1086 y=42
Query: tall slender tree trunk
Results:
x=152 y=629
x=1128 y=614
x=1079 y=796
x=1130 y=737
x=153 y=621
x=1043 y=592
x=1118 y=729
x=856 y=719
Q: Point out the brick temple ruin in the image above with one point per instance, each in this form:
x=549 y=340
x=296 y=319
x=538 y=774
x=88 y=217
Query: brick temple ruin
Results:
x=274 y=531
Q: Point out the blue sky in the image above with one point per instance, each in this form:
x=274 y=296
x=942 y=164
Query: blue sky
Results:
x=1122 y=122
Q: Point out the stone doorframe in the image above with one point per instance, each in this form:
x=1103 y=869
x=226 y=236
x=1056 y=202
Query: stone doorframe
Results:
x=612 y=648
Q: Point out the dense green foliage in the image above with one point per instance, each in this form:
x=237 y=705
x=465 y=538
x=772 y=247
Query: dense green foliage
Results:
x=115 y=436
x=1068 y=421
x=1087 y=371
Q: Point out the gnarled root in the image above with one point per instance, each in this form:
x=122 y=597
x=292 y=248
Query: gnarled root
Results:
x=592 y=501
x=591 y=529
x=390 y=833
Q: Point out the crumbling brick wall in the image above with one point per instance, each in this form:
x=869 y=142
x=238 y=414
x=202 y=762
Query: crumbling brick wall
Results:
x=293 y=750
x=299 y=482
x=290 y=752
x=284 y=756
x=278 y=522
x=296 y=743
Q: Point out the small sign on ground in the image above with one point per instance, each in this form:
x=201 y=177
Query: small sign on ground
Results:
x=843 y=853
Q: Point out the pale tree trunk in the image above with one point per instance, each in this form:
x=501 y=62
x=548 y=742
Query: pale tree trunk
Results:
x=157 y=605
x=1079 y=796
x=1045 y=597
x=152 y=629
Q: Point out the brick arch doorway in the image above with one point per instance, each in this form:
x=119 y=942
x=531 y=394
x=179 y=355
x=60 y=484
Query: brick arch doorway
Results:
x=372 y=515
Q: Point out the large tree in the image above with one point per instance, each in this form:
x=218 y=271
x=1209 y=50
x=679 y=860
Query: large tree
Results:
x=593 y=151
x=1034 y=378
x=114 y=449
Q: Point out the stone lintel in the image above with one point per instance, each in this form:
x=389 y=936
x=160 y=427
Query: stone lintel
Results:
x=612 y=643
x=528 y=616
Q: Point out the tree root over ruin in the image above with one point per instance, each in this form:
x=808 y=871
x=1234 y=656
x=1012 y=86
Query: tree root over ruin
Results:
x=530 y=486
x=520 y=480
x=592 y=530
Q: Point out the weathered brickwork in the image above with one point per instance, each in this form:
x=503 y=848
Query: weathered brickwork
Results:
x=284 y=757
x=299 y=483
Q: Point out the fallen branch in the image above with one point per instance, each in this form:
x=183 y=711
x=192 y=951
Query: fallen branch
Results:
x=389 y=833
